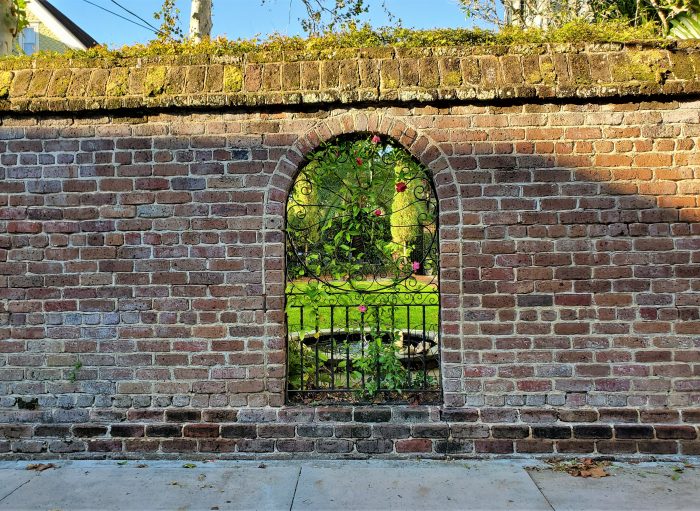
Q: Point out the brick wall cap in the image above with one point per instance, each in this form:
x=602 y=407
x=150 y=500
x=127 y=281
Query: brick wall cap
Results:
x=395 y=75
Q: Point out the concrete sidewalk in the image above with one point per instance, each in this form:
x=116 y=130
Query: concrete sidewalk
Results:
x=377 y=484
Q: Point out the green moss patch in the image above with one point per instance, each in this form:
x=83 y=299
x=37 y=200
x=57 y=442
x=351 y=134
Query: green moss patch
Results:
x=60 y=81
x=647 y=66
x=233 y=79
x=118 y=82
x=5 y=82
x=155 y=82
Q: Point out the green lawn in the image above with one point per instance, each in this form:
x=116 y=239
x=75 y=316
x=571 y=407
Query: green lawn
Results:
x=396 y=308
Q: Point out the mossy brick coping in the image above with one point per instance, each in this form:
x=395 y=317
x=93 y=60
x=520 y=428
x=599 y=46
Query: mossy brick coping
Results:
x=346 y=76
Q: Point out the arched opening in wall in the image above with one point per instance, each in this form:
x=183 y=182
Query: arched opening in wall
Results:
x=362 y=291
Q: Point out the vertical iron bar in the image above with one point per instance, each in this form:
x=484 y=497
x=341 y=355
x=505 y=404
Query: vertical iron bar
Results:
x=332 y=348
x=393 y=328
x=439 y=348
x=318 y=337
x=408 y=336
x=347 y=346
x=425 y=343
x=362 y=345
x=301 y=345
x=381 y=341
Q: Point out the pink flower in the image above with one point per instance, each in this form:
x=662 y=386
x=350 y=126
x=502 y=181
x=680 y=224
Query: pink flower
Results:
x=359 y=161
x=416 y=266
x=362 y=309
x=377 y=212
x=401 y=187
x=376 y=139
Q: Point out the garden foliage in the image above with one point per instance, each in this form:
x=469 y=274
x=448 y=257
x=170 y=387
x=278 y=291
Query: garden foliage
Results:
x=358 y=216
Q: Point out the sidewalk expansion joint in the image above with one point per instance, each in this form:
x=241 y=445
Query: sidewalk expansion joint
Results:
x=539 y=489
x=291 y=504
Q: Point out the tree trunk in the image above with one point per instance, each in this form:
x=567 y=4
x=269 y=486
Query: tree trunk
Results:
x=6 y=40
x=8 y=25
x=513 y=12
x=200 y=20
x=541 y=14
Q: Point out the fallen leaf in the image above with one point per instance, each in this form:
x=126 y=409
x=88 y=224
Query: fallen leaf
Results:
x=122 y=462
x=262 y=465
x=585 y=467
x=141 y=465
x=40 y=467
x=189 y=465
x=595 y=473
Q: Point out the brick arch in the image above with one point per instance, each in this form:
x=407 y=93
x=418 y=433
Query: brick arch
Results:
x=421 y=147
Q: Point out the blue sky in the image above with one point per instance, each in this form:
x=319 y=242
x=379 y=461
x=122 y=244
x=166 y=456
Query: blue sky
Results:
x=246 y=18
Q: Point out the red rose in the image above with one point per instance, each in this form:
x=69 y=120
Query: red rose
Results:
x=401 y=187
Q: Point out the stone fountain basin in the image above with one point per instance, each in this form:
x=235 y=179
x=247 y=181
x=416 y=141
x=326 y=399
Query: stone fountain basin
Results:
x=417 y=347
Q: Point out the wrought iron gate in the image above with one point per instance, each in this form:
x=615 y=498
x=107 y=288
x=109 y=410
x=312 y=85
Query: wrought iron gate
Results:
x=363 y=302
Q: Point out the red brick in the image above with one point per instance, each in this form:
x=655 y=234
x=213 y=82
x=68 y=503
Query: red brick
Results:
x=24 y=227
x=494 y=446
x=675 y=432
x=414 y=445
x=201 y=430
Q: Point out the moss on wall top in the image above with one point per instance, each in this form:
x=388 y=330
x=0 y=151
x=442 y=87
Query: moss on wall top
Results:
x=364 y=37
x=277 y=76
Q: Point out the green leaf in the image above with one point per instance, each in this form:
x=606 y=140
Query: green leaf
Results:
x=685 y=26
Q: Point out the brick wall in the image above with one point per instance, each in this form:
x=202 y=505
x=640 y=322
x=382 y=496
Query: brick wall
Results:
x=148 y=246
